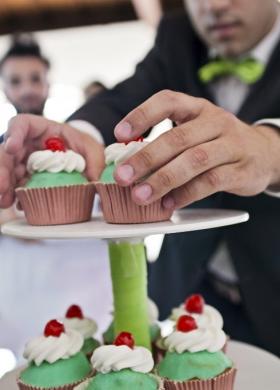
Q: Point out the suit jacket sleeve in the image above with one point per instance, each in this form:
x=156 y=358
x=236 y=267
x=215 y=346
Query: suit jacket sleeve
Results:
x=109 y=107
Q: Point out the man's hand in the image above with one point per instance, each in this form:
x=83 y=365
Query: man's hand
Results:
x=209 y=150
x=27 y=133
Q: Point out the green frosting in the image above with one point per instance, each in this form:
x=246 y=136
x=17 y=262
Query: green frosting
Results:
x=60 y=373
x=154 y=332
x=197 y=365
x=123 y=380
x=107 y=175
x=48 y=179
x=109 y=335
x=90 y=345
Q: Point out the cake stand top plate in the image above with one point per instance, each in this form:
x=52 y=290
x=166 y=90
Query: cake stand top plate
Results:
x=181 y=221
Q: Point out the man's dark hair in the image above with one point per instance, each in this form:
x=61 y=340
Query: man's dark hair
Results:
x=24 y=46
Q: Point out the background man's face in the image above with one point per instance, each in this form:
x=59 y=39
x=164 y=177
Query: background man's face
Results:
x=232 y=27
x=25 y=83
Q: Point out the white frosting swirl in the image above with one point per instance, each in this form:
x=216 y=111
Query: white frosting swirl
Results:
x=85 y=326
x=153 y=312
x=119 y=152
x=51 y=349
x=115 y=358
x=47 y=160
x=209 y=317
x=210 y=339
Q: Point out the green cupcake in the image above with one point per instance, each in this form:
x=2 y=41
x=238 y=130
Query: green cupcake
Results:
x=55 y=360
x=195 y=354
x=87 y=327
x=117 y=203
x=122 y=366
x=58 y=191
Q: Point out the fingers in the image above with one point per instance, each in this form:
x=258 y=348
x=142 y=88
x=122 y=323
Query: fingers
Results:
x=215 y=180
x=188 y=165
x=25 y=127
x=166 y=104
x=7 y=199
x=91 y=150
x=7 y=183
x=164 y=149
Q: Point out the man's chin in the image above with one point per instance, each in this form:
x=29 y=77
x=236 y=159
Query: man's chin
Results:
x=30 y=110
x=228 y=49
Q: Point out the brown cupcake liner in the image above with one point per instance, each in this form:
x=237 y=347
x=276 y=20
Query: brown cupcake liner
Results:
x=158 y=353
x=23 y=386
x=224 y=381
x=118 y=206
x=57 y=205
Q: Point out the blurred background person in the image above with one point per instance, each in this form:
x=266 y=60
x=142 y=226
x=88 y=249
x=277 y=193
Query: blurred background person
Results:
x=24 y=73
x=148 y=10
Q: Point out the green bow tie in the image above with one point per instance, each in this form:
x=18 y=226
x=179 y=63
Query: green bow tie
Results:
x=248 y=70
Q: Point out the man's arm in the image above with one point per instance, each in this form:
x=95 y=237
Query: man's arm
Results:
x=210 y=150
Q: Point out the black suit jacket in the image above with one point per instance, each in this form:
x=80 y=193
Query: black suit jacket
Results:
x=173 y=63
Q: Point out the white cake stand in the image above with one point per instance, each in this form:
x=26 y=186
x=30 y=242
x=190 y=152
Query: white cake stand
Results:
x=181 y=221
x=128 y=257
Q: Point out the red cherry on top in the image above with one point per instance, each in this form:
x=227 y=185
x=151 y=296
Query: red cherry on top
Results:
x=54 y=328
x=195 y=304
x=125 y=338
x=186 y=324
x=138 y=139
x=55 y=144
x=74 y=311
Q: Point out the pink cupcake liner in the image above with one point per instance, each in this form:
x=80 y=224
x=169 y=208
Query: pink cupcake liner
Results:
x=23 y=386
x=57 y=205
x=224 y=381
x=118 y=206
x=158 y=353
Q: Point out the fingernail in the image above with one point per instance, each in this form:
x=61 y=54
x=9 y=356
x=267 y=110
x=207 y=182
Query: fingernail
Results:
x=143 y=192
x=168 y=202
x=125 y=172
x=123 y=130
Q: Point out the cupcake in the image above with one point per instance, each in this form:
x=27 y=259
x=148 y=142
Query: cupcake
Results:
x=155 y=332
x=194 y=358
x=57 y=191
x=75 y=320
x=117 y=204
x=122 y=366
x=205 y=315
x=55 y=360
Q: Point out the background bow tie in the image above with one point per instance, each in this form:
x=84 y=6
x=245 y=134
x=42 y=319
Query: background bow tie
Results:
x=248 y=70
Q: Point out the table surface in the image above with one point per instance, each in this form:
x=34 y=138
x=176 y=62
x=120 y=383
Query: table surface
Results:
x=257 y=369
x=181 y=221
